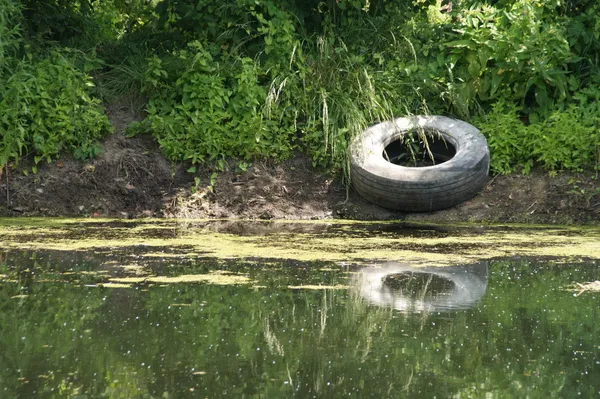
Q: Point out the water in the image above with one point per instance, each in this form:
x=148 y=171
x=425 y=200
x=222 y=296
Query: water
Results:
x=124 y=322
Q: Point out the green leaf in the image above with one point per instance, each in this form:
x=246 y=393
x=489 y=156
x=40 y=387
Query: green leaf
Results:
x=496 y=82
x=462 y=44
x=541 y=97
x=474 y=69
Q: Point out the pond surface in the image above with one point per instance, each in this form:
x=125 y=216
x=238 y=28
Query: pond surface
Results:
x=169 y=310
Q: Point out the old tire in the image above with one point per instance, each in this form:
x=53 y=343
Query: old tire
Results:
x=419 y=189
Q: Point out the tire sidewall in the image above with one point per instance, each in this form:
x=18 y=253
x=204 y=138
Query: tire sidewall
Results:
x=373 y=176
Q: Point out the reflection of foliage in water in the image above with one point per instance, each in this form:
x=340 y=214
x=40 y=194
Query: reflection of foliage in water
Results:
x=526 y=337
x=46 y=339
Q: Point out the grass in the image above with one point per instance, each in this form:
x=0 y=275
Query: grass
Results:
x=124 y=80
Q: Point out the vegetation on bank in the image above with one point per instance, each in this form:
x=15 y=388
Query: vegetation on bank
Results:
x=248 y=79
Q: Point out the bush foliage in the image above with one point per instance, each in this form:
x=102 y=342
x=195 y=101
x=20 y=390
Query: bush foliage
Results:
x=247 y=79
x=45 y=102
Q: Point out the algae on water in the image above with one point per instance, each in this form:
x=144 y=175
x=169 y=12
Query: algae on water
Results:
x=357 y=243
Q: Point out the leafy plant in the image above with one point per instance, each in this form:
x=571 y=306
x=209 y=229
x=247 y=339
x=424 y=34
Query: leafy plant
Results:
x=210 y=113
x=519 y=52
x=575 y=150
x=10 y=17
x=567 y=139
x=46 y=108
x=507 y=137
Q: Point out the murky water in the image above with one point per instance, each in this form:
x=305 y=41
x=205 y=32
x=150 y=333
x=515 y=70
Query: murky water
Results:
x=171 y=320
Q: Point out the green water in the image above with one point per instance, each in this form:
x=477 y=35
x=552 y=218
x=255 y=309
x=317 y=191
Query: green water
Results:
x=510 y=327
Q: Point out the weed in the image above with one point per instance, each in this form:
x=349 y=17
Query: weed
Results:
x=514 y=144
x=250 y=79
x=46 y=108
x=126 y=79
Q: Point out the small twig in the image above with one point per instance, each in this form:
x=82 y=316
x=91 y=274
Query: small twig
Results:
x=582 y=289
x=147 y=171
x=531 y=206
x=590 y=286
x=386 y=156
x=491 y=181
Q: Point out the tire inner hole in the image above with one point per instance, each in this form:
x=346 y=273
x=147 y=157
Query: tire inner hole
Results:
x=419 y=149
x=414 y=284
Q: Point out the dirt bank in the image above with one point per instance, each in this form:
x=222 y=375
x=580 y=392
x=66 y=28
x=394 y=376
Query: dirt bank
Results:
x=132 y=179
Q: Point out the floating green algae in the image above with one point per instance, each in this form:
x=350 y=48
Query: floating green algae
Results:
x=352 y=242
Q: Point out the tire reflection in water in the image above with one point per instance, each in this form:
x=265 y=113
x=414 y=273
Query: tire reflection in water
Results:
x=423 y=289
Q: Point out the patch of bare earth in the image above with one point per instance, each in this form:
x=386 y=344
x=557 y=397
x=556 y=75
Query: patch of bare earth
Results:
x=132 y=179
x=535 y=198
x=129 y=179
x=292 y=189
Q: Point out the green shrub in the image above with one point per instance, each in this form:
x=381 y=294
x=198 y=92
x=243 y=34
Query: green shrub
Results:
x=519 y=52
x=260 y=78
x=45 y=108
x=507 y=138
x=56 y=20
x=10 y=32
x=568 y=139
x=80 y=23
x=583 y=32
x=212 y=111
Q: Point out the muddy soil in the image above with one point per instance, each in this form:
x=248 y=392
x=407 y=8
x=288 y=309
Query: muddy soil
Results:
x=131 y=179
